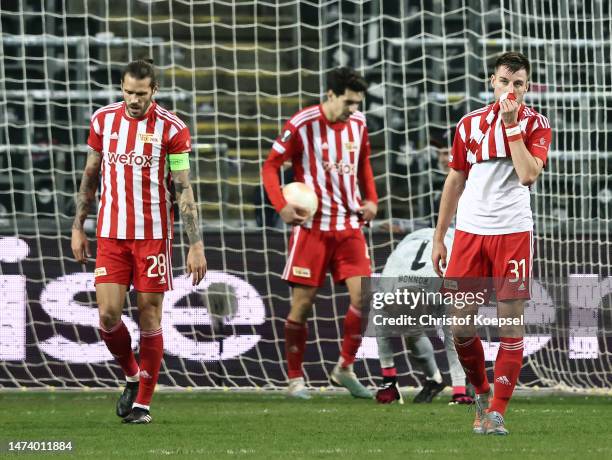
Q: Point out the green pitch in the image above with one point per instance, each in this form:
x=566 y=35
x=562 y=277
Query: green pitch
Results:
x=267 y=425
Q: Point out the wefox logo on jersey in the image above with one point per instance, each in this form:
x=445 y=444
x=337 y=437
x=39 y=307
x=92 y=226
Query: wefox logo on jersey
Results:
x=340 y=167
x=130 y=159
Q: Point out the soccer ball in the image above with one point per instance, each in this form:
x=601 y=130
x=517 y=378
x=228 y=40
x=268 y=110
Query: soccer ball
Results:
x=300 y=194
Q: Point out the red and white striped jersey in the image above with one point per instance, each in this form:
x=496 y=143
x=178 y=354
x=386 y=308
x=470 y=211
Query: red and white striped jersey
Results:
x=135 y=198
x=494 y=202
x=332 y=158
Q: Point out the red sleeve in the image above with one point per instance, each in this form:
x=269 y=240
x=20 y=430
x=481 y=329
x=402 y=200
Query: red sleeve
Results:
x=365 y=176
x=94 y=141
x=282 y=150
x=180 y=142
x=539 y=140
x=458 y=155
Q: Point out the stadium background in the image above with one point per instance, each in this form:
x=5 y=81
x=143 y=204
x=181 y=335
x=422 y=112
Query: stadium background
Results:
x=235 y=71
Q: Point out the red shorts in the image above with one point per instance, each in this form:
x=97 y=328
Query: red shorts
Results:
x=505 y=258
x=345 y=252
x=145 y=263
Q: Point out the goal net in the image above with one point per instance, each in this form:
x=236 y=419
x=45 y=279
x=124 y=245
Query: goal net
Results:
x=235 y=71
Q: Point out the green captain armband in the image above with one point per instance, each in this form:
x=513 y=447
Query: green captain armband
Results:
x=178 y=161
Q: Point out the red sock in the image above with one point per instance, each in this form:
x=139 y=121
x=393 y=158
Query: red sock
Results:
x=471 y=356
x=389 y=372
x=119 y=343
x=352 y=336
x=507 y=369
x=295 y=343
x=459 y=390
x=151 y=354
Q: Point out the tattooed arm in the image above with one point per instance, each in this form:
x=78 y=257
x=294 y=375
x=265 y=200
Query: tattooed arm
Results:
x=84 y=200
x=196 y=262
x=187 y=206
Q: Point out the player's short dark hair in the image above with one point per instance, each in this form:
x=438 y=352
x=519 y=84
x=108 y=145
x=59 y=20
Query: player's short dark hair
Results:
x=514 y=61
x=343 y=78
x=141 y=69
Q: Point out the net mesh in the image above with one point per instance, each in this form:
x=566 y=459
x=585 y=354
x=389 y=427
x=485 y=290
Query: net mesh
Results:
x=235 y=71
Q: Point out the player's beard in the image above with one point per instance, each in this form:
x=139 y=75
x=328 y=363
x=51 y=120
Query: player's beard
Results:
x=138 y=111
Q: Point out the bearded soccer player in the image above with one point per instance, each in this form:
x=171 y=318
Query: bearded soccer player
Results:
x=498 y=153
x=136 y=147
x=329 y=148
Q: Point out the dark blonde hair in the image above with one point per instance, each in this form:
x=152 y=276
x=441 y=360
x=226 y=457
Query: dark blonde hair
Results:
x=141 y=69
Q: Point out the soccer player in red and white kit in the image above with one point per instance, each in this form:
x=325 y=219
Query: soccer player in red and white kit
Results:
x=136 y=147
x=329 y=148
x=498 y=153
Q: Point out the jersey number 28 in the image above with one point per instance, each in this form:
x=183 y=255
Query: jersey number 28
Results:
x=157 y=262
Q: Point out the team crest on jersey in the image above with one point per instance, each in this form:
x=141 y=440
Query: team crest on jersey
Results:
x=149 y=138
x=100 y=271
x=286 y=136
x=542 y=141
x=301 y=272
x=350 y=146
